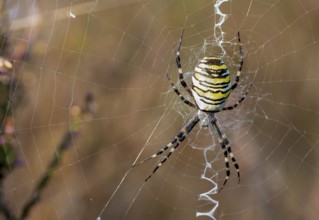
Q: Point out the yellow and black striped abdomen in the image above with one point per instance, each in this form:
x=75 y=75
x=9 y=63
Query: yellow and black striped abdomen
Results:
x=211 y=84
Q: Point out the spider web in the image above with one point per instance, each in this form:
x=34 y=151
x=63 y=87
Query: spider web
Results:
x=120 y=52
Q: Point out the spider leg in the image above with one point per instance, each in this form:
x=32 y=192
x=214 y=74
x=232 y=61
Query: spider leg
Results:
x=225 y=145
x=179 y=94
x=162 y=150
x=163 y=160
x=179 y=66
x=179 y=138
x=241 y=63
x=238 y=102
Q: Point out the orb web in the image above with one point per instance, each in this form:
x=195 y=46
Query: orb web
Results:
x=120 y=52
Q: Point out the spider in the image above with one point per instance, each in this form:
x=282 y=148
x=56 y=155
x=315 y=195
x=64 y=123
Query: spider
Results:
x=210 y=89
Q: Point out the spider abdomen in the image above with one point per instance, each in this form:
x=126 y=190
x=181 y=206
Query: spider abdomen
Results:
x=211 y=84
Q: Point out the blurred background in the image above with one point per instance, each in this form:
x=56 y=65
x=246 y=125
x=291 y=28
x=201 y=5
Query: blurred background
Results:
x=120 y=51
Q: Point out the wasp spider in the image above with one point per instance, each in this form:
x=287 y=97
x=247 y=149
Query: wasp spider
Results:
x=210 y=89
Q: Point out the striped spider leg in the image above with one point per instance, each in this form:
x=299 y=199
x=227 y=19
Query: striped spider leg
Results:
x=225 y=145
x=179 y=138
